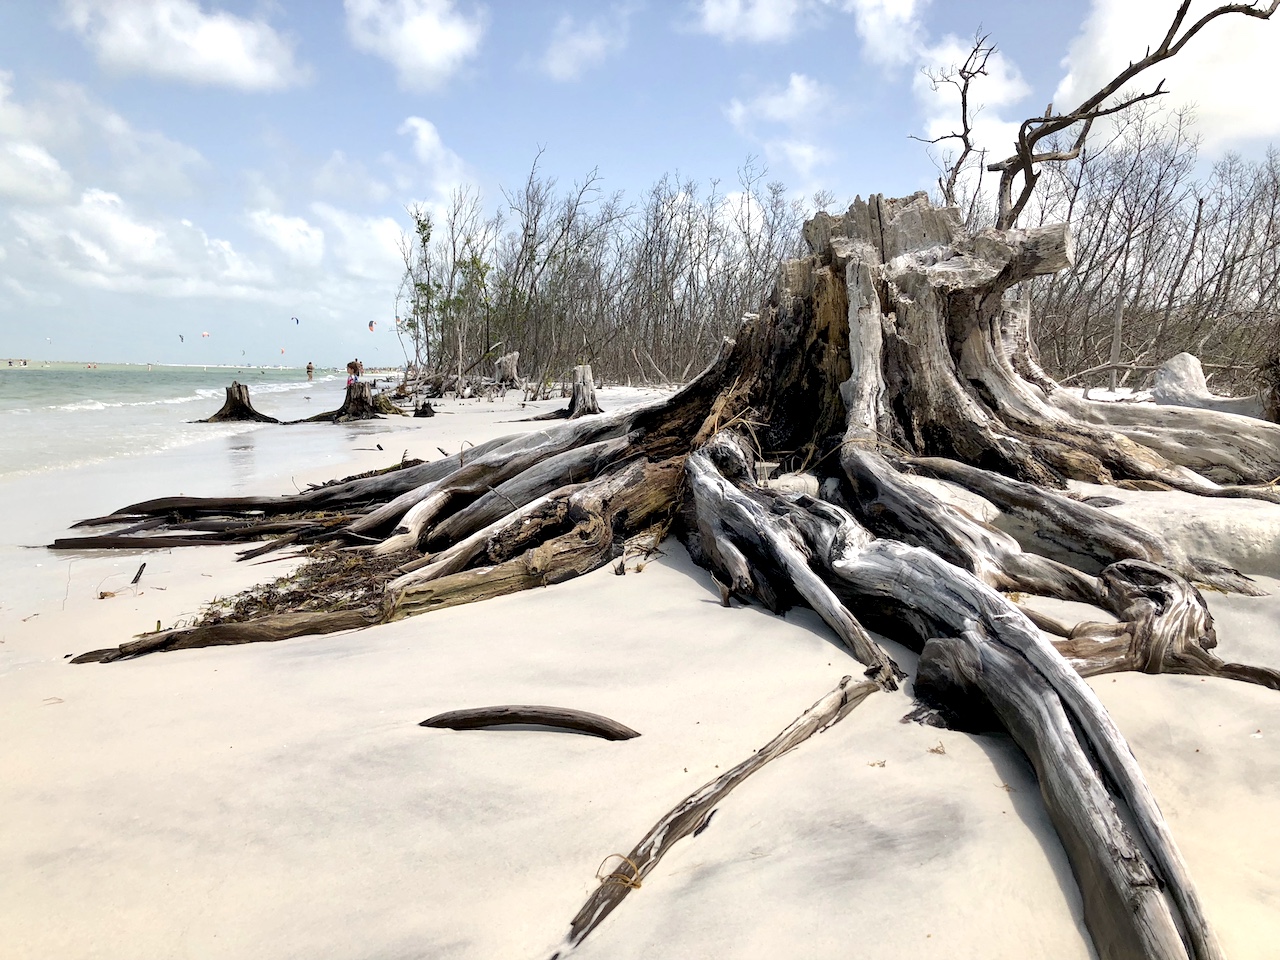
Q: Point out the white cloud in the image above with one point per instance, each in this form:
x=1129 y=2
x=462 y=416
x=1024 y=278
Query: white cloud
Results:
x=367 y=248
x=178 y=40
x=343 y=179
x=575 y=47
x=802 y=156
x=427 y=41
x=1226 y=71
x=100 y=243
x=30 y=174
x=301 y=242
x=783 y=122
x=40 y=123
x=445 y=170
x=800 y=102
x=146 y=161
x=757 y=21
x=66 y=136
x=891 y=32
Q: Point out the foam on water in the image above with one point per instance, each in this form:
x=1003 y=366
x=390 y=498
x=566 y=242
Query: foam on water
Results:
x=66 y=415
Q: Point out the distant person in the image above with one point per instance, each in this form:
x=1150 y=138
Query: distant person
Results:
x=359 y=369
x=311 y=371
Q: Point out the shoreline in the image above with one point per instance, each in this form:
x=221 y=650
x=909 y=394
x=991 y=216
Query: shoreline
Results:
x=279 y=800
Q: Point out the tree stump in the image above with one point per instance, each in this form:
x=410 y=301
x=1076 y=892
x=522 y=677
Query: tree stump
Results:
x=358 y=405
x=238 y=407
x=890 y=350
x=505 y=374
x=583 y=400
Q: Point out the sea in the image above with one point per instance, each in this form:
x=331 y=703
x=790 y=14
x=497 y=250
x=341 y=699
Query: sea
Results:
x=59 y=415
x=80 y=441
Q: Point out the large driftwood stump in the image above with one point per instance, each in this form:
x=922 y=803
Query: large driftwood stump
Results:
x=238 y=407
x=892 y=349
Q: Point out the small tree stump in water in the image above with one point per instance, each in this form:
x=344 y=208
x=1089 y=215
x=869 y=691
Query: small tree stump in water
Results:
x=358 y=405
x=238 y=407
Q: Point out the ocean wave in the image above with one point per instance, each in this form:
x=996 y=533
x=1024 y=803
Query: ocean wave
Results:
x=85 y=405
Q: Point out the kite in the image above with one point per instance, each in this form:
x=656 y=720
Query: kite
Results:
x=371 y=324
x=182 y=338
x=205 y=334
x=295 y=320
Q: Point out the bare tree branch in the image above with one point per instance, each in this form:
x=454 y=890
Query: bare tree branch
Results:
x=1034 y=129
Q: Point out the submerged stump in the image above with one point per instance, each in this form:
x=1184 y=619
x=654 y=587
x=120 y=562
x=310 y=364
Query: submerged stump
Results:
x=238 y=407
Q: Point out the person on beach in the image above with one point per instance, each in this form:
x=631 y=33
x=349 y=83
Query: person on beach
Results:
x=311 y=371
x=359 y=369
x=352 y=376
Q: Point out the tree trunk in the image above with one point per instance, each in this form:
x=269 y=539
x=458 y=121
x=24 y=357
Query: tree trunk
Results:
x=890 y=351
x=357 y=405
x=238 y=407
x=582 y=402
x=505 y=374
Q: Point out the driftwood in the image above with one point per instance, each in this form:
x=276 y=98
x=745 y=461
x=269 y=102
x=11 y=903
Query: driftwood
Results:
x=890 y=351
x=225 y=634
x=478 y=718
x=237 y=406
x=693 y=813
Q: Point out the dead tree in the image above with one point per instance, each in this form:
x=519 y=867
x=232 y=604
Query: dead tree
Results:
x=582 y=397
x=505 y=374
x=1078 y=122
x=891 y=351
x=238 y=407
x=962 y=78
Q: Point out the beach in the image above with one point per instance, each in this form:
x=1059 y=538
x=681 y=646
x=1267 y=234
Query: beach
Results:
x=280 y=800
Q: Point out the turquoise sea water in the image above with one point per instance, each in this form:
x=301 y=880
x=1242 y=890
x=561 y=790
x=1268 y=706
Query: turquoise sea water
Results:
x=62 y=415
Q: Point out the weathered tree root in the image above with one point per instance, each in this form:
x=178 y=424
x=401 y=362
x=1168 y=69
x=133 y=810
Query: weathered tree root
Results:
x=891 y=349
x=694 y=811
x=479 y=718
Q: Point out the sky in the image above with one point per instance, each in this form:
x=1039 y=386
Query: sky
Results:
x=241 y=168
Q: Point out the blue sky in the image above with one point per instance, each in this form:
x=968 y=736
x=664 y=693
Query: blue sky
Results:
x=176 y=167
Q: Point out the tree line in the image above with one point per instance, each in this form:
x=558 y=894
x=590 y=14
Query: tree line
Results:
x=1170 y=257
x=642 y=290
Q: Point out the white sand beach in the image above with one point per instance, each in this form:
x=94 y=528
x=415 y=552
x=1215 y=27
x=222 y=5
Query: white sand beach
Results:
x=281 y=801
